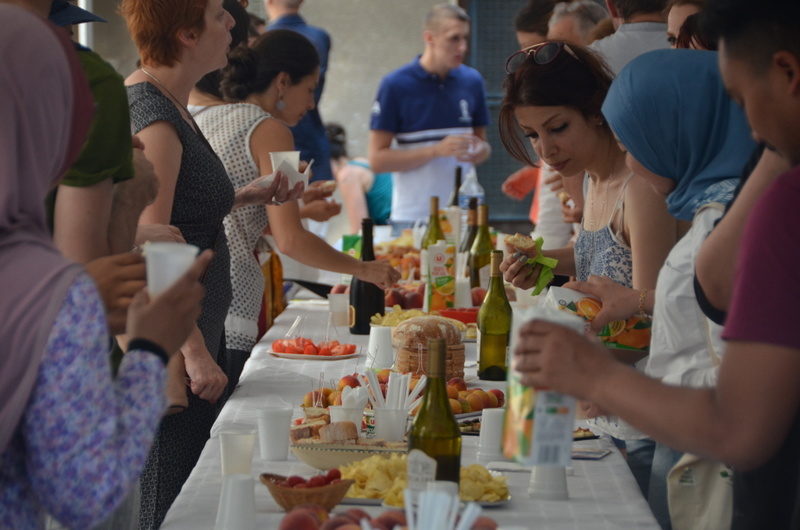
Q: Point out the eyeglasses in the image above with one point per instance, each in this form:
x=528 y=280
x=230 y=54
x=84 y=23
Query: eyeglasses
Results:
x=542 y=53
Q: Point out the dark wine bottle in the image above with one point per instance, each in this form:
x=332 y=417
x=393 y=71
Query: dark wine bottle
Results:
x=435 y=431
x=494 y=326
x=472 y=226
x=366 y=299
x=454 y=196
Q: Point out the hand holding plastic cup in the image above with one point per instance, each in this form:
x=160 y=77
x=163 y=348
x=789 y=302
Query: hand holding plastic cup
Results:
x=291 y=157
x=273 y=432
x=166 y=262
x=236 y=449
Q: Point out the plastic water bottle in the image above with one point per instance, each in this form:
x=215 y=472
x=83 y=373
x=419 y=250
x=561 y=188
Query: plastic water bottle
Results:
x=470 y=188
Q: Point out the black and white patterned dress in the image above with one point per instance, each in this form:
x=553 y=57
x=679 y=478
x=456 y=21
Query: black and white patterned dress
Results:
x=228 y=129
x=203 y=197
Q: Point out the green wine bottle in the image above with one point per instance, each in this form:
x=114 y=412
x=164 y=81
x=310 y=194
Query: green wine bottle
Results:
x=433 y=233
x=435 y=431
x=480 y=255
x=494 y=326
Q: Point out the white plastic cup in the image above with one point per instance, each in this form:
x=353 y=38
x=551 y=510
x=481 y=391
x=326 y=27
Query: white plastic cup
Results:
x=274 y=424
x=548 y=483
x=380 y=347
x=236 y=449
x=490 y=442
x=353 y=414
x=166 y=263
x=237 y=504
x=390 y=424
x=340 y=308
x=463 y=293
x=277 y=158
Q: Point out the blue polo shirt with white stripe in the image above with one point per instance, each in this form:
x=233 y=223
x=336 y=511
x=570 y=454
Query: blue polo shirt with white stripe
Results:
x=420 y=109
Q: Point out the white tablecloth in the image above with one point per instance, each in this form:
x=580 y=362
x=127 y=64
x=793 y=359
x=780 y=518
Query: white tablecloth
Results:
x=602 y=494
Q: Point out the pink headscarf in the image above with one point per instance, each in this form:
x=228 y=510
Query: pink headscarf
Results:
x=40 y=95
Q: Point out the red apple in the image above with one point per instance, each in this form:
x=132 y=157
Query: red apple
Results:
x=297 y=519
x=413 y=300
x=383 y=375
x=394 y=297
x=348 y=380
x=478 y=294
x=315 y=399
x=501 y=398
x=458 y=382
x=316 y=481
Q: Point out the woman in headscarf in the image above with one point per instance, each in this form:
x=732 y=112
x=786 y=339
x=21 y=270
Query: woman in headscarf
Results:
x=72 y=440
x=688 y=139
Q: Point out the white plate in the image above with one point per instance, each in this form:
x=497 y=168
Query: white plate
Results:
x=302 y=357
x=361 y=502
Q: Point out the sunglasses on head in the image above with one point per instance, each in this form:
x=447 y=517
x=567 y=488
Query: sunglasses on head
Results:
x=542 y=53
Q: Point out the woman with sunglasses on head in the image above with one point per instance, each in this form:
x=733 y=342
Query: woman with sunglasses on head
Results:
x=554 y=92
x=179 y=41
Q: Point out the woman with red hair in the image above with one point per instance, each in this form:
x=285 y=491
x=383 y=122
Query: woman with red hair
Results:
x=179 y=41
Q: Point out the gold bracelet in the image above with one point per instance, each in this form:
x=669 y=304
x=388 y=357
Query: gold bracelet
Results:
x=642 y=296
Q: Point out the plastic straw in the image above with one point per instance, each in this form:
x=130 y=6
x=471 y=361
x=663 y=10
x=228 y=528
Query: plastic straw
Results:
x=376 y=388
x=468 y=517
x=407 y=498
x=414 y=393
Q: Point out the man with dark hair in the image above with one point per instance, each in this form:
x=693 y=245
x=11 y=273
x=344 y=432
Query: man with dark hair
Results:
x=642 y=30
x=531 y=22
x=309 y=134
x=428 y=117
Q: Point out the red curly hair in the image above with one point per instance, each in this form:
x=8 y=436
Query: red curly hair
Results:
x=154 y=26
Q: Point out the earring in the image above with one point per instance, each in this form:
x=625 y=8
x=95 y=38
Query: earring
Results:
x=280 y=105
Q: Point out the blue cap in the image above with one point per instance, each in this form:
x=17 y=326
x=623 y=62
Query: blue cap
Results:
x=64 y=13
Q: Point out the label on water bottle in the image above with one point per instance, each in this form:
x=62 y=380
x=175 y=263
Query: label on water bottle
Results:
x=421 y=470
x=553 y=425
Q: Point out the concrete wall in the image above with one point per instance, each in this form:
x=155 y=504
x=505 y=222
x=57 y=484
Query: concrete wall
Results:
x=370 y=38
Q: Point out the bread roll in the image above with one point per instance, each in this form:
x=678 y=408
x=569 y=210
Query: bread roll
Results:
x=520 y=241
x=339 y=431
x=412 y=333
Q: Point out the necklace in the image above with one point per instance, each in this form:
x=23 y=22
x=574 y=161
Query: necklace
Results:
x=594 y=219
x=182 y=107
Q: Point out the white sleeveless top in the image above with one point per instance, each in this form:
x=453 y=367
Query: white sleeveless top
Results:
x=228 y=129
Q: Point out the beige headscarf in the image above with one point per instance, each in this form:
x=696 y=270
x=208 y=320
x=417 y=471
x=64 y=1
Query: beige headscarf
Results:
x=45 y=110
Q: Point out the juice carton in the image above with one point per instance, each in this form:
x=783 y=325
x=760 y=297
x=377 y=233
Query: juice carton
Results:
x=441 y=291
x=538 y=423
x=630 y=334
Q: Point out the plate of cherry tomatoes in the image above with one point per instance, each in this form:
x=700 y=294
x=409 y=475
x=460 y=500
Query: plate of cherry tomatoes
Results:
x=307 y=349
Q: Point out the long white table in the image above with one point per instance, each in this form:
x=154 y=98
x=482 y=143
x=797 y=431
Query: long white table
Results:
x=602 y=494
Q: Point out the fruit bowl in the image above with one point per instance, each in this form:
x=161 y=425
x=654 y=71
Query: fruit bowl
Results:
x=327 y=496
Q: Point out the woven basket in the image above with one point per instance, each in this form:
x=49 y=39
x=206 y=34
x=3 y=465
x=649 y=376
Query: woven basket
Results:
x=326 y=496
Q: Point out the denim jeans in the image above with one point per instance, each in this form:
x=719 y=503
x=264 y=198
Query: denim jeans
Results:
x=663 y=460
x=639 y=459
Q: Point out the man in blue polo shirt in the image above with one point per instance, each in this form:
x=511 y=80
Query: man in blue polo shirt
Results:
x=429 y=116
x=309 y=134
